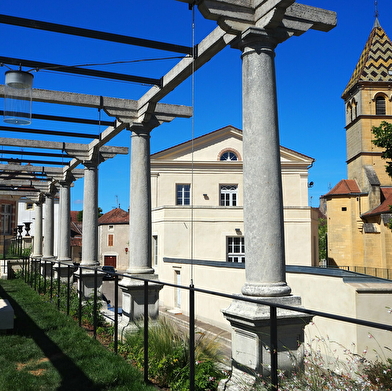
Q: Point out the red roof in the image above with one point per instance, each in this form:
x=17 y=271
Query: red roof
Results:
x=115 y=216
x=344 y=187
x=386 y=201
x=74 y=215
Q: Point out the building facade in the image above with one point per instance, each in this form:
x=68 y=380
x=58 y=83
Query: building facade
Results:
x=197 y=214
x=358 y=207
x=113 y=242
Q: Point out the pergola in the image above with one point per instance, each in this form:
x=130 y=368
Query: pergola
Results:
x=255 y=27
x=47 y=163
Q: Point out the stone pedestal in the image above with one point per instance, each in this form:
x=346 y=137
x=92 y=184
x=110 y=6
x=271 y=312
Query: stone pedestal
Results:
x=133 y=300
x=64 y=271
x=86 y=283
x=47 y=267
x=251 y=343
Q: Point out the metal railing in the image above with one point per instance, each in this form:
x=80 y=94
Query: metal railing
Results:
x=31 y=272
x=368 y=270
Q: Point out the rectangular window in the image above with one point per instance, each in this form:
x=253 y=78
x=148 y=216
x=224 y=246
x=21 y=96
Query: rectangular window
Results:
x=380 y=105
x=110 y=240
x=111 y=227
x=236 y=249
x=183 y=194
x=6 y=219
x=29 y=206
x=155 y=250
x=228 y=195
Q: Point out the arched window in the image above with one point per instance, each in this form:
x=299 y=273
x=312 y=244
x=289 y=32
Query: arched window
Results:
x=350 y=111
x=380 y=105
x=228 y=156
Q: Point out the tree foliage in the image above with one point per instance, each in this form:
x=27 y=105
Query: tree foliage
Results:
x=383 y=139
x=322 y=231
x=79 y=216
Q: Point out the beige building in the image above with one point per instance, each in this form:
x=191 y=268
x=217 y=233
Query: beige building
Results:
x=197 y=215
x=113 y=239
x=358 y=208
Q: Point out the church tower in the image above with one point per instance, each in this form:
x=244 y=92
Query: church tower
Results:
x=358 y=208
x=368 y=102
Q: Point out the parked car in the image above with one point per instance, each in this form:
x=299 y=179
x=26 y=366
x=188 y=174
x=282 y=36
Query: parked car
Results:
x=109 y=270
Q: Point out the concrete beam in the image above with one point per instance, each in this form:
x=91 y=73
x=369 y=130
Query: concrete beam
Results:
x=206 y=49
x=235 y=16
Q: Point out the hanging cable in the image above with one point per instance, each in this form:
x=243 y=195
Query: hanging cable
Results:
x=192 y=144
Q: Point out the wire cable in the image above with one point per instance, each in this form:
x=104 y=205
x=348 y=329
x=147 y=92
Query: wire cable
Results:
x=192 y=146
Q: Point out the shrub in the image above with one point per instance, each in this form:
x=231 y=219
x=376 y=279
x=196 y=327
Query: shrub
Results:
x=168 y=351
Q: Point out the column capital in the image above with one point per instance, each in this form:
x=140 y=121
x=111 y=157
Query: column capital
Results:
x=143 y=128
x=257 y=39
x=286 y=16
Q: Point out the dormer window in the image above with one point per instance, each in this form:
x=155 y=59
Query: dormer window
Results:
x=380 y=105
x=228 y=156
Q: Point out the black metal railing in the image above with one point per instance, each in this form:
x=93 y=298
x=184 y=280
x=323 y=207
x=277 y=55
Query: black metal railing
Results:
x=32 y=269
x=368 y=270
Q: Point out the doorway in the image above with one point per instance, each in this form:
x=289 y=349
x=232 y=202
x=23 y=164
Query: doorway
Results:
x=110 y=260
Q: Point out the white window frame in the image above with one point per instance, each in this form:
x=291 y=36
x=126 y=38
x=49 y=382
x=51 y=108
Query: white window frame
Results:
x=155 y=250
x=183 y=194
x=228 y=195
x=235 y=249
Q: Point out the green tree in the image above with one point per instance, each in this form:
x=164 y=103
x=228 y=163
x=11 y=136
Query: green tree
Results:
x=383 y=139
x=322 y=231
x=80 y=214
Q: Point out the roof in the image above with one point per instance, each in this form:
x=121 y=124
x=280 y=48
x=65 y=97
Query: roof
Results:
x=344 y=187
x=375 y=60
x=207 y=139
x=115 y=216
x=386 y=201
x=74 y=215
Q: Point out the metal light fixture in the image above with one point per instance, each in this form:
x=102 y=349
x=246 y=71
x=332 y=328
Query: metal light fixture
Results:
x=18 y=97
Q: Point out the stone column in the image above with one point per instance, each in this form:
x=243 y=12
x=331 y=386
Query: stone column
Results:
x=90 y=230
x=64 y=249
x=263 y=200
x=139 y=234
x=64 y=242
x=140 y=209
x=48 y=252
x=37 y=250
x=90 y=215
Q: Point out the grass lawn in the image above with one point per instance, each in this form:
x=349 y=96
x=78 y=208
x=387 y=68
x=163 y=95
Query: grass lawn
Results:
x=47 y=350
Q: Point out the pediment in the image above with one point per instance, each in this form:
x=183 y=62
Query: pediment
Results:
x=209 y=147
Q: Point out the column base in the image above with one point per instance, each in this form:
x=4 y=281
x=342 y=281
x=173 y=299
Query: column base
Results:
x=250 y=324
x=277 y=289
x=133 y=300
x=64 y=271
x=140 y=270
x=86 y=282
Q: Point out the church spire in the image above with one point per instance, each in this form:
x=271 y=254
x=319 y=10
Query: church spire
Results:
x=375 y=62
x=376 y=22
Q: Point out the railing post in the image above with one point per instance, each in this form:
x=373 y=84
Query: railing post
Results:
x=145 y=341
x=191 y=338
x=80 y=296
x=274 y=348
x=39 y=275
x=51 y=280
x=45 y=277
x=95 y=307
x=116 y=313
x=68 y=287
x=58 y=285
x=24 y=268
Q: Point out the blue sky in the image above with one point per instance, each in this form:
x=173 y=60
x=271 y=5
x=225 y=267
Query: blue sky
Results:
x=312 y=72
